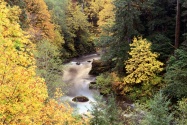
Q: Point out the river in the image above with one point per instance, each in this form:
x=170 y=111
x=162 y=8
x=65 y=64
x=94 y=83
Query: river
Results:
x=76 y=76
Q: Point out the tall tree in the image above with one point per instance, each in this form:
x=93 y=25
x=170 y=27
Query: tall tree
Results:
x=126 y=25
x=177 y=29
x=176 y=75
x=106 y=16
x=142 y=65
x=39 y=20
x=77 y=35
x=159 y=22
x=73 y=26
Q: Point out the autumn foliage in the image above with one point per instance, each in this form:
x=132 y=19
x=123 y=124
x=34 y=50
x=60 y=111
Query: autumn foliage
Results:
x=142 y=65
x=142 y=71
x=21 y=92
x=23 y=95
x=39 y=20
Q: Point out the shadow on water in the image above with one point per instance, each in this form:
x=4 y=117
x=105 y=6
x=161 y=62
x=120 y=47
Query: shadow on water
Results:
x=77 y=79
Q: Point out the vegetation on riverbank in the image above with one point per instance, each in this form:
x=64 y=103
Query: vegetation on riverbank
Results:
x=143 y=44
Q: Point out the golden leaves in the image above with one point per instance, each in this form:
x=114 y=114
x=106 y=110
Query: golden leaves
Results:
x=21 y=103
x=23 y=95
x=142 y=66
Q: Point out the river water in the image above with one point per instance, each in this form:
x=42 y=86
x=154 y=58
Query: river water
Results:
x=77 y=79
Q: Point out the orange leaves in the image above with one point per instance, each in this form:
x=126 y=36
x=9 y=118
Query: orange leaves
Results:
x=39 y=20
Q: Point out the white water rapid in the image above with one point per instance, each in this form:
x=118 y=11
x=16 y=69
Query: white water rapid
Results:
x=77 y=79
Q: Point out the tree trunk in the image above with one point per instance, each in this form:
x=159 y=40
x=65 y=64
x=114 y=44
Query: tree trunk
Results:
x=177 y=28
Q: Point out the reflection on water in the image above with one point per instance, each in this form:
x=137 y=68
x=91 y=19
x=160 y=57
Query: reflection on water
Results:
x=77 y=77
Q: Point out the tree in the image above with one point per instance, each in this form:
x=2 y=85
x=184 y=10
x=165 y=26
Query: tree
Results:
x=106 y=15
x=126 y=25
x=182 y=112
x=49 y=65
x=159 y=22
x=73 y=26
x=77 y=35
x=92 y=9
x=176 y=75
x=22 y=17
x=142 y=66
x=142 y=70
x=39 y=20
x=105 y=113
x=158 y=111
x=177 y=29
x=105 y=22
x=103 y=83
x=22 y=93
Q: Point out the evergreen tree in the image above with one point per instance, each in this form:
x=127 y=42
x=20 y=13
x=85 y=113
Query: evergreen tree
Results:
x=176 y=75
x=158 y=111
x=126 y=25
x=159 y=22
x=105 y=113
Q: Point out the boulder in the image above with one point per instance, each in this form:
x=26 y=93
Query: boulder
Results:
x=80 y=99
x=92 y=85
x=99 y=67
x=78 y=63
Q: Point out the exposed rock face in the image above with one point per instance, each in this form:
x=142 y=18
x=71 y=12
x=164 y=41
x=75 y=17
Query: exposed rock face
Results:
x=99 y=67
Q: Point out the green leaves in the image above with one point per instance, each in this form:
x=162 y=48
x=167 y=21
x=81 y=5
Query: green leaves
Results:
x=105 y=113
x=104 y=83
x=176 y=75
x=158 y=111
x=49 y=65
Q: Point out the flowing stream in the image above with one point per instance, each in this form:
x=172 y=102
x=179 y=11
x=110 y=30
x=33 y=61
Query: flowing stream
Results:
x=77 y=79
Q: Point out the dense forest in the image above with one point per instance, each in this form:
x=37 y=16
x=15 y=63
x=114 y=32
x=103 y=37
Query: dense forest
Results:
x=143 y=48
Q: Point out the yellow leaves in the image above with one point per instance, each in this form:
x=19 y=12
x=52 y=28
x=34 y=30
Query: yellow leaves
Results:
x=20 y=102
x=106 y=15
x=58 y=114
x=143 y=64
x=142 y=67
x=58 y=93
x=23 y=95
